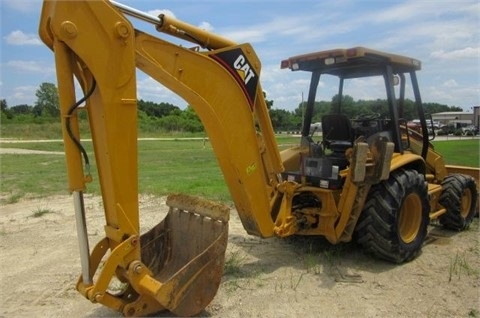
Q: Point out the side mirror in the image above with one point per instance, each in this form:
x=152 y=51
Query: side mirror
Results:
x=396 y=80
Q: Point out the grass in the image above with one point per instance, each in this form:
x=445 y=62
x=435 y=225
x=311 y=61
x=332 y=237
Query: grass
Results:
x=233 y=264
x=294 y=281
x=318 y=254
x=165 y=166
x=464 y=152
x=185 y=166
x=45 y=130
x=41 y=212
x=459 y=266
x=33 y=174
x=14 y=198
x=312 y=263
x=233 y=270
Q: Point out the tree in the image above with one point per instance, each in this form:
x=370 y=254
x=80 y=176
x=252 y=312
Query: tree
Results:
x=285 y=120
x=280 y=119
x=345 y=106
x=190 y=120
x=269 y=103
x=156 y=110
x=4 y=111
x=3 y=104
x=433 y=108
x=47 y=100
x=21 y=109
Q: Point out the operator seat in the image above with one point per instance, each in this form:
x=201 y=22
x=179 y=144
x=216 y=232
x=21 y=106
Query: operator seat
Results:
x=338 y=136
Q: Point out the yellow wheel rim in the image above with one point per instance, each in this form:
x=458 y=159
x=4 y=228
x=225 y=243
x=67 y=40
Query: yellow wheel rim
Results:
x=410 y=218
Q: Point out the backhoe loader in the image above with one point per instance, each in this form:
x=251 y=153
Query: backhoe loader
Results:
x=371 y=179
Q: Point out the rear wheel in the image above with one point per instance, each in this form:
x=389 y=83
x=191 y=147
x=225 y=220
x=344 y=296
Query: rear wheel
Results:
x=459 y=197
x=393 y=224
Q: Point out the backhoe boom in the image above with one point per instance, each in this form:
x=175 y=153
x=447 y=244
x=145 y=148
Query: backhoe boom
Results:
x=100 y=48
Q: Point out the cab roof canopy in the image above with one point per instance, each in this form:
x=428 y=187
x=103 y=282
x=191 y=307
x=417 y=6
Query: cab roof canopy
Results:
x=351 y=63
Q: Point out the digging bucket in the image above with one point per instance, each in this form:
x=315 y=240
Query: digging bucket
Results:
x=186 y=253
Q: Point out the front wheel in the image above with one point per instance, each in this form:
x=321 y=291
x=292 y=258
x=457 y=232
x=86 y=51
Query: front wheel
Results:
x=459 y=198
x=393 y=224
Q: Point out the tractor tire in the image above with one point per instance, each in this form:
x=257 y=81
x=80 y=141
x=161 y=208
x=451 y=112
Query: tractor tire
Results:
x=393 y=224
x=459 y=198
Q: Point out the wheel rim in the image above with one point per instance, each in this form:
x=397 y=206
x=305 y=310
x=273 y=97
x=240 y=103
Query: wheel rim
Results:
x=466 y=203
x=410 y=218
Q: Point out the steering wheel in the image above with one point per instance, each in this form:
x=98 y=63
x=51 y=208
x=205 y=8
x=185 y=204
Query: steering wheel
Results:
x=366 y=117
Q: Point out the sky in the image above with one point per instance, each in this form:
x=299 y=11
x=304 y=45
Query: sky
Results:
x=444 y=35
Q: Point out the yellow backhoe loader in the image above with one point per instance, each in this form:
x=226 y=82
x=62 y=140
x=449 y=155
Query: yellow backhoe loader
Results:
x=370 y=178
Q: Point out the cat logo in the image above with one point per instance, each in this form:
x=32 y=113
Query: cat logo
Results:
x=236 y=62
x=244 y=69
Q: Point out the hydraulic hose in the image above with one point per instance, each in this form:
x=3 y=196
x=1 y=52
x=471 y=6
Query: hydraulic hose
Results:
x=69 y=129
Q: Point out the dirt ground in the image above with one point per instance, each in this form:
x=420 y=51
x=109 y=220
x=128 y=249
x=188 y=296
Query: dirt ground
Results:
x=302 y=277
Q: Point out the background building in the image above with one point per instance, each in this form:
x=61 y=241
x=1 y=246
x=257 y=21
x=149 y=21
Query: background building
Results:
x=445 y=118
x=458 y=122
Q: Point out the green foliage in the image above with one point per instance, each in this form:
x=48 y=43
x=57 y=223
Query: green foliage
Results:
x=14 y=198
x=153 y=118
x=184 y=121
x=30 y=127
x=5 y=115
x=164 y=118
x=21 y=109
x=269 y=103
x=346 y=105
x=460 y=265
x=39 y=212
x=5 y=112
x=156 y=110
x=283 y=120
x=233 y=264
x=47 y=101
x=177 y=121
x=432 y=108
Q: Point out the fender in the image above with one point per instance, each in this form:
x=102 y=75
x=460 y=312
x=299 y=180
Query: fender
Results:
x=408 y=160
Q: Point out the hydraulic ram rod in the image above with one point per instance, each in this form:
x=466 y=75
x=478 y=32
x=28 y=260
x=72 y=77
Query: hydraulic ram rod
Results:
x=137 y=13
x=177 y=28
x=82 y=236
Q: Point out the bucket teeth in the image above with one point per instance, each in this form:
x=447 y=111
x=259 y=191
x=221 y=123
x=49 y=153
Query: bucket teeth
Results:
x=214 y=210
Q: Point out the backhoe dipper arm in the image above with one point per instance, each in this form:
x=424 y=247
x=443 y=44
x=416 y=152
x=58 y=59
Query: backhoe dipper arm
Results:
x=225 y=103
x=222 y=85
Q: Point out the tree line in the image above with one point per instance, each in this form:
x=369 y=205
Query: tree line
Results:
x=165 y=117
x=283 y=120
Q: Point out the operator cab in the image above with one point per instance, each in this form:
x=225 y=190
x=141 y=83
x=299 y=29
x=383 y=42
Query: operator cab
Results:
x=341 y=124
